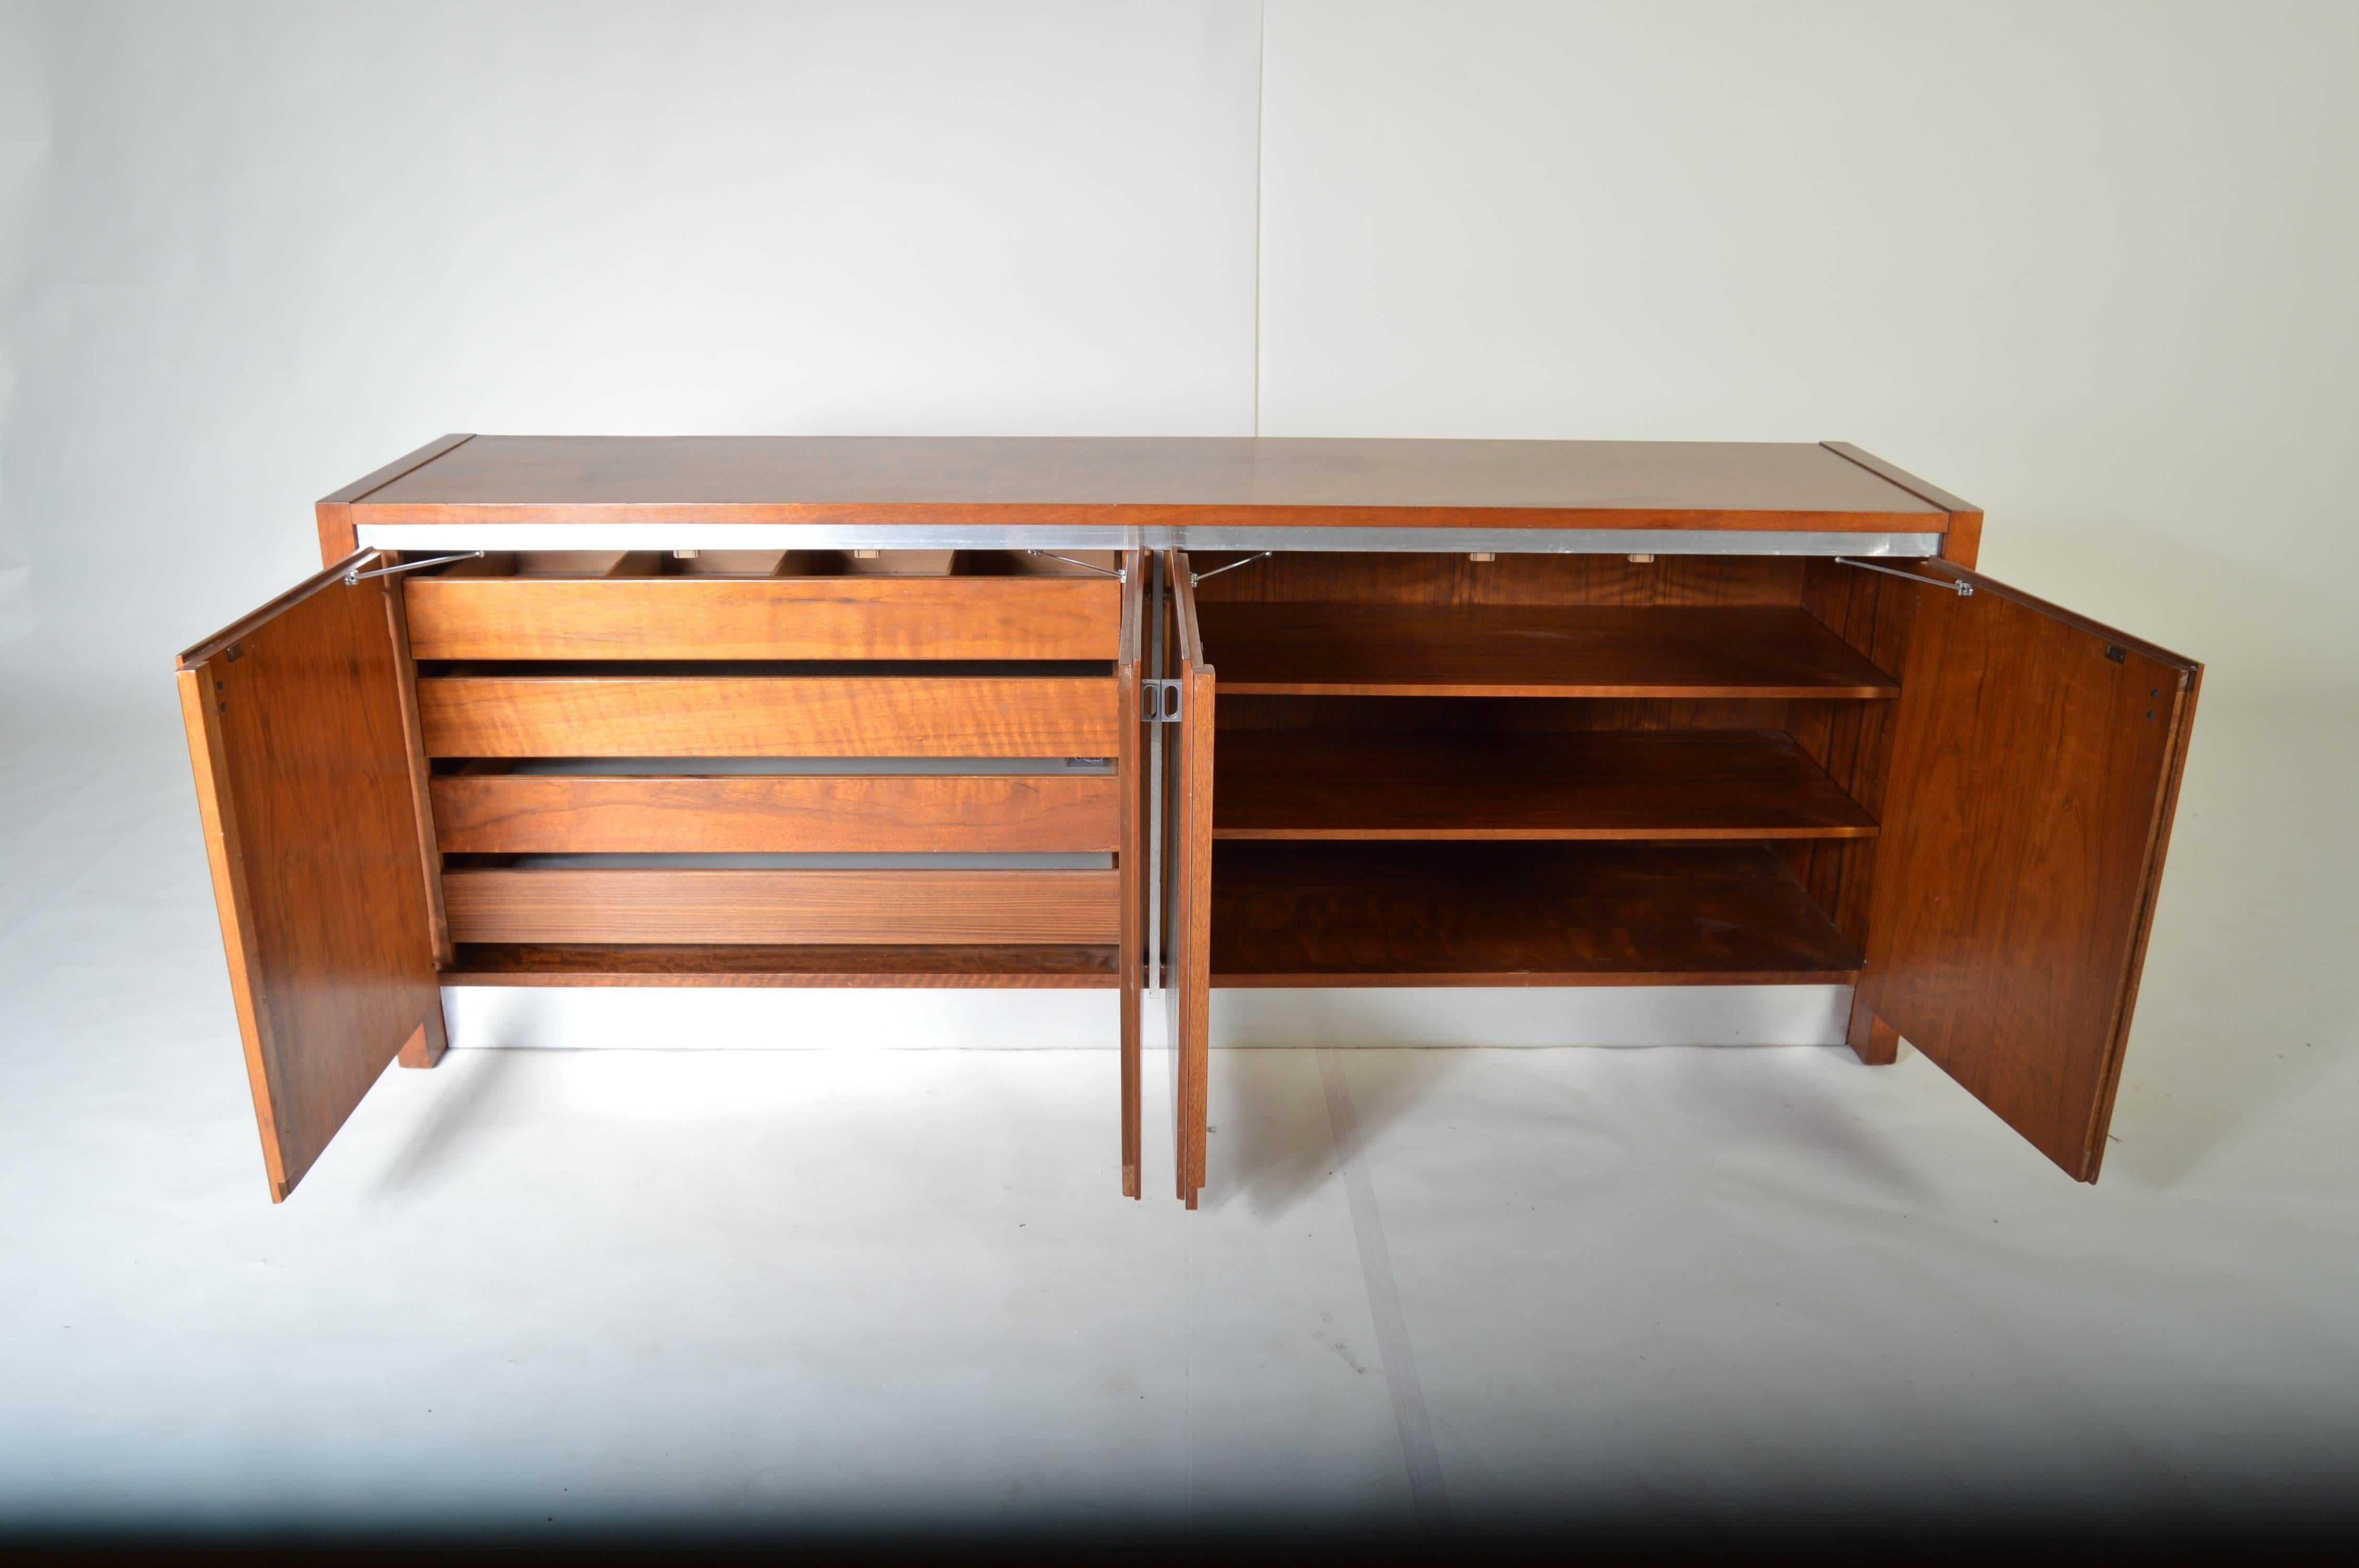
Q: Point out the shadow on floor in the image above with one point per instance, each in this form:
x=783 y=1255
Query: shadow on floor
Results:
x=2247 y=998
x=469 y=1084
x=1274 y=1144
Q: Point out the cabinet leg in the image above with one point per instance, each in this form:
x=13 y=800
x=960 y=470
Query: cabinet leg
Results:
x=1876 y=1042
x=425 y=1042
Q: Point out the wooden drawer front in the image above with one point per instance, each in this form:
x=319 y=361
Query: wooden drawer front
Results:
x=542 y=814
x=768 y=715
x=651 y=906
x=772 y=618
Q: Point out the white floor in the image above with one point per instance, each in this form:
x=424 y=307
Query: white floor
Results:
x=555 y=1288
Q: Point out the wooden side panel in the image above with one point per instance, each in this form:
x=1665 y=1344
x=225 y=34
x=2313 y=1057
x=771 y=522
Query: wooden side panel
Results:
x=1190 y=870
x=429 y=856
x=1047 y=908
x=2033 y=776
x=304 y=787
x=337 y=535
x=762 y=716
x=1962 y=544
x=580 y=814
x=472 y=617
x=1852 y=741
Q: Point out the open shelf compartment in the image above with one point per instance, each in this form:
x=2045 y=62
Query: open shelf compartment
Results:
x=1334 y=913
x=1658 y=784
x=1541 y=650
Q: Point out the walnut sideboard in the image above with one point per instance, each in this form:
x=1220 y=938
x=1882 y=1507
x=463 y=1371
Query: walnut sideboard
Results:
x=1208 y=713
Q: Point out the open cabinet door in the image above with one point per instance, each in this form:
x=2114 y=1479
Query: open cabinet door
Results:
x=1188 y=874
x=299 y=734
x=2035 y=768
x=1132 y=951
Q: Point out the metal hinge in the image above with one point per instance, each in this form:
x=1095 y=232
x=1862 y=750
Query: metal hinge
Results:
x=1964 y=589
x=1159 y=701
x=1119 y=574
x=356 y=576
x=1195 y=578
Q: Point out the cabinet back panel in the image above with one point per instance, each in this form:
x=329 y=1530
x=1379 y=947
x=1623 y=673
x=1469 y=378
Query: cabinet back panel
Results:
x=1340 y=577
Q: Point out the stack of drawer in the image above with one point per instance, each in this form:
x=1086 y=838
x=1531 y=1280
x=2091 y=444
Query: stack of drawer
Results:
x=532 y=683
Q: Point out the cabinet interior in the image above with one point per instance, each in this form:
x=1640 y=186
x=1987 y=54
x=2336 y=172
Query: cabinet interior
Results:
x=1428 y=769
x=1544 y=770
x=669 y=804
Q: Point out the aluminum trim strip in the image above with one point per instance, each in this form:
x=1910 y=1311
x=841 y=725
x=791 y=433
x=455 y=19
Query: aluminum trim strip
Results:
x=918 y=537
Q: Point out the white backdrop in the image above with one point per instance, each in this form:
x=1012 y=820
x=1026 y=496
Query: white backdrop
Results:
x=254 y=250
x=2088 y=265
x=2085 y=265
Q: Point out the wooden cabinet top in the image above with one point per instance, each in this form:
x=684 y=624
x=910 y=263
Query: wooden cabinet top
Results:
x=1031 y=482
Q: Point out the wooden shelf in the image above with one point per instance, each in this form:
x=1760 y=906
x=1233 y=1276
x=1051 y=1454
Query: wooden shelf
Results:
x=1513 y=914
x=1658 y=784
x=1437 y=650
x=514 y=963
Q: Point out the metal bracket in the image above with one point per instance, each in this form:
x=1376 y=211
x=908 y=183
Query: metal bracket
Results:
x=1195 y=578
x=1965 y=589
x=1159 y=700
x=1119 y=574
x=355 y=577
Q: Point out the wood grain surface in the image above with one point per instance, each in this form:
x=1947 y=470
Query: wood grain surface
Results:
x=1533 y=651
x=1852 y=741
x=2034 y=772
x=1130 y=860
x=1191 y=799
x=1962 y=540
x=1119 y=480
x=1509 y=914
x=296 y=734
x=429 y=855
x=1660 y=785
x=765 y=907
x=931 y=967
x=764 y=618
x=606 y=813
x=333 y=515
x=769 y=716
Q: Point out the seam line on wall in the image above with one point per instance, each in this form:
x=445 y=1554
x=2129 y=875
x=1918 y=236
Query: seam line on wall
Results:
x=1261 y=80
